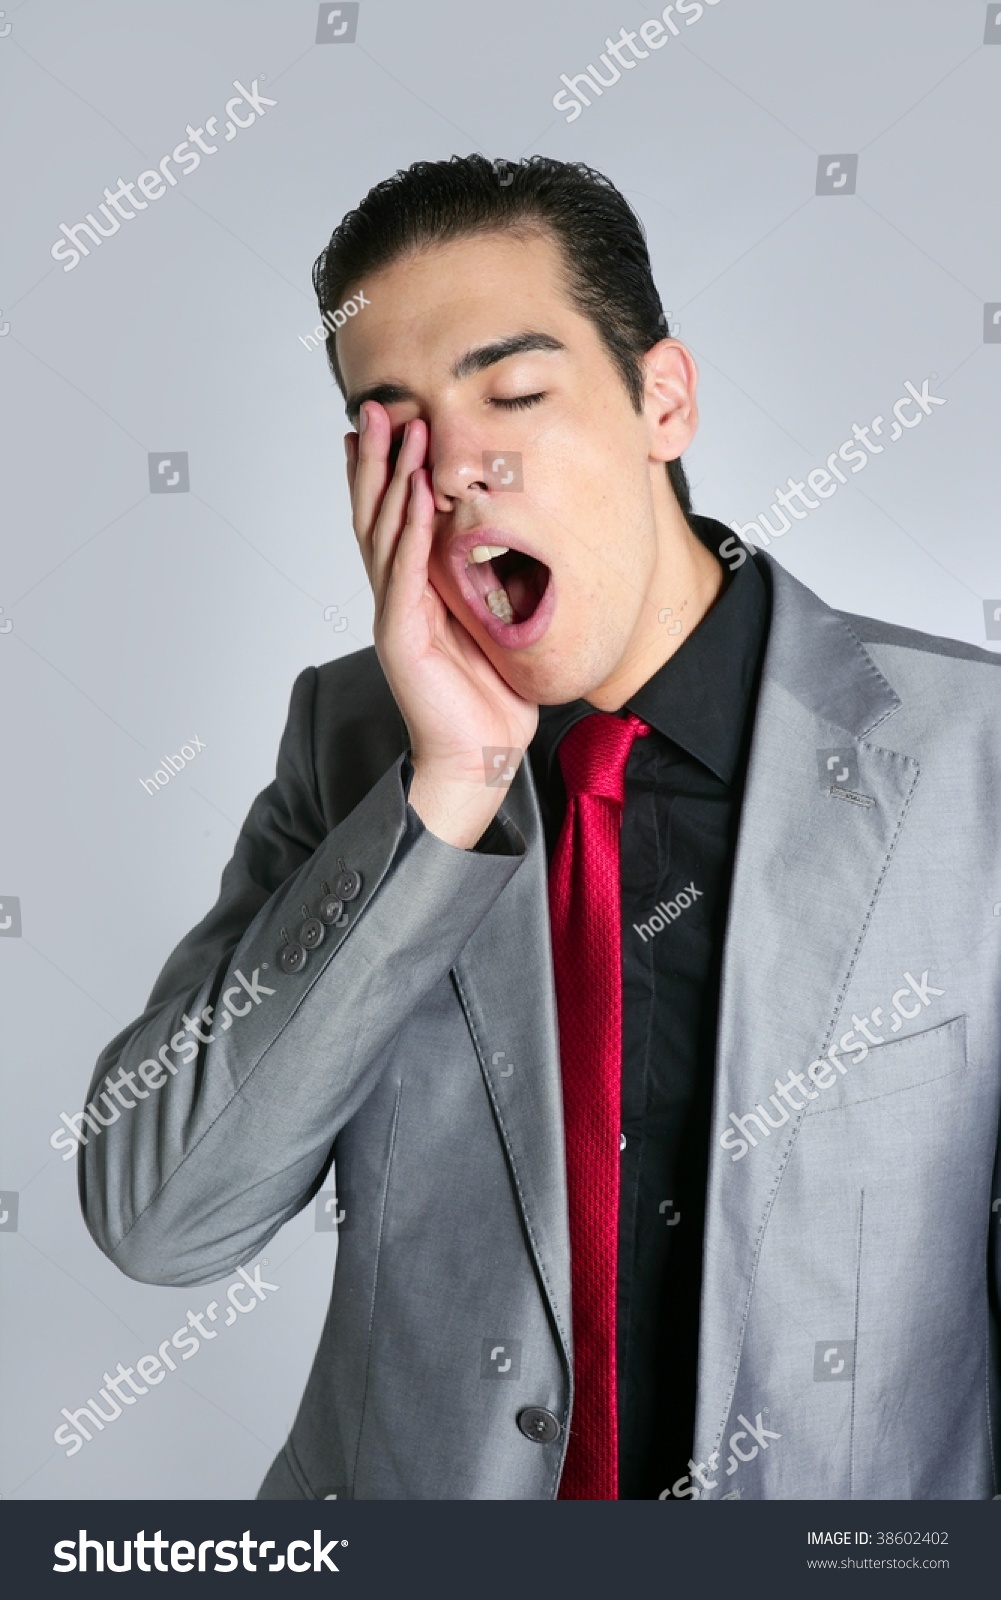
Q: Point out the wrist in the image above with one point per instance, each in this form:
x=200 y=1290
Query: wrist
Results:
x=455 y=808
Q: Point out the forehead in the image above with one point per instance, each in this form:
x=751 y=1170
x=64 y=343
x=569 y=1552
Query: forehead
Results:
x=430 y=306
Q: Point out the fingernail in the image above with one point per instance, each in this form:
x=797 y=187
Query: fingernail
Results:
x=362 y=420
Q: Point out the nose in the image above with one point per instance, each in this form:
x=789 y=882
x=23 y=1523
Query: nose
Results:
x=455 y=461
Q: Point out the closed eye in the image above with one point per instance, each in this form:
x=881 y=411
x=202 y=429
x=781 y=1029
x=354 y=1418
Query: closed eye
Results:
x=519 y=403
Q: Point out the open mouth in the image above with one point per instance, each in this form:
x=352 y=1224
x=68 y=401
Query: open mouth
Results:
x=510 y=583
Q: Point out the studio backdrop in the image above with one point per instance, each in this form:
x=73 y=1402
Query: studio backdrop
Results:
x=818 y=182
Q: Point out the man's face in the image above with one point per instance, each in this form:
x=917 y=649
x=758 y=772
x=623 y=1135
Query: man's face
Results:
x=571 y=602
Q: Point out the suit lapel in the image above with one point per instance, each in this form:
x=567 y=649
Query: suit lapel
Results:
x=505 y=985
x=807 y=871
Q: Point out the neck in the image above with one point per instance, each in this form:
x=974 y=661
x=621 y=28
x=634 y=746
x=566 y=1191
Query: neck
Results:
x=686 y=582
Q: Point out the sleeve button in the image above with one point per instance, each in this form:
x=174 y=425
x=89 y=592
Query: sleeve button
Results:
x=330 y=909
x=292 y=957
x=347 y=884
x=311 y=933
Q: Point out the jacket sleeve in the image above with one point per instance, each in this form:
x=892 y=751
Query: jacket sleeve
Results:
x=233 y=1084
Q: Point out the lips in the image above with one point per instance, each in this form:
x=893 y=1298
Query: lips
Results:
x=507 y=587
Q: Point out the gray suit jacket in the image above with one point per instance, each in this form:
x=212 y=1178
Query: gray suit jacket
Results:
x=848 y=1341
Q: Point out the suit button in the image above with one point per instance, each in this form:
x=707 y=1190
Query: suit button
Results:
x=311 y=933
x=330 y=909
x=347 y=884
x=538 y=1424
x=291 y=958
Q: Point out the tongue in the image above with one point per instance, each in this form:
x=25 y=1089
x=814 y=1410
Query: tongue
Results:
x=523 y=593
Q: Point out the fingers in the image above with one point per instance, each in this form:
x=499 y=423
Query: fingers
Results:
x=407 y=577
x=374 y=462
x=395 y=506
x=372 y=472
x=384 y=499
x=351 y=460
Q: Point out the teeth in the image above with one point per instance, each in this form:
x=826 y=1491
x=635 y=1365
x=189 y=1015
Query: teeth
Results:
x=486 y=552
x=500 y=605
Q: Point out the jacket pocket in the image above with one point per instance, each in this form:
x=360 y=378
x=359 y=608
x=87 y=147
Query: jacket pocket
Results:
x=893 y=1066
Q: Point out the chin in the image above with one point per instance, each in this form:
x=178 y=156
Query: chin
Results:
x=556 y=678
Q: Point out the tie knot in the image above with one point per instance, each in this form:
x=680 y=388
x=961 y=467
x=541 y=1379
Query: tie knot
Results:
x=594 y=753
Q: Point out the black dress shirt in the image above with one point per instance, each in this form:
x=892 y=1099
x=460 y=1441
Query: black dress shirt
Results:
x=682 y=801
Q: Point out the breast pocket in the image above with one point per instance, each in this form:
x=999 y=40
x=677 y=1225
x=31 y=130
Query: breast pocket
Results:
x=890 y=1068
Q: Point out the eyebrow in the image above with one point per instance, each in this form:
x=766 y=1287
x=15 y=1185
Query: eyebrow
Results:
x=476 y=360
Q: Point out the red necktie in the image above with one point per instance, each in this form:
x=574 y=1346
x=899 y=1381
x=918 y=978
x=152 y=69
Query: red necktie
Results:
x=585 y=899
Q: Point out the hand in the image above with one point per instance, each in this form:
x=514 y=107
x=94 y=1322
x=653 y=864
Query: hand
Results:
x=452 y=699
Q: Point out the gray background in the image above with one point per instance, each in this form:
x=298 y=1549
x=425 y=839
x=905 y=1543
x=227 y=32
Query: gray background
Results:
x=132 y=622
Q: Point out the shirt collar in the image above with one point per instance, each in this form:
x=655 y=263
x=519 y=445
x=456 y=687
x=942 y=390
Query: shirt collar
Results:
x=701 y=697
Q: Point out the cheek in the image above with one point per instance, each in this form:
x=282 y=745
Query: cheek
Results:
x=586 y=477
x=437 y=570
x=440 y=575
x=573 y=463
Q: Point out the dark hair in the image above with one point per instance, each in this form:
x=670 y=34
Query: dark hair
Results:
x=601 y=240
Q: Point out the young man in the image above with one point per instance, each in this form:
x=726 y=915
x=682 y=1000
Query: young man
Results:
x=610 y=925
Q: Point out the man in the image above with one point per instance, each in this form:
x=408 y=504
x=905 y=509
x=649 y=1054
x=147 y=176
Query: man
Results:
x=659 y=1066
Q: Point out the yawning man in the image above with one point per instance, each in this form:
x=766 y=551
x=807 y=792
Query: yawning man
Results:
x=622 y=925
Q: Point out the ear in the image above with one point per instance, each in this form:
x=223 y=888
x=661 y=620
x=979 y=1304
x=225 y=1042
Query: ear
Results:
x=669 y=399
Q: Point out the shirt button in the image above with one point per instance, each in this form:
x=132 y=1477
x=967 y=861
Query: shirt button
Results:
x=292 y=957
x=622 y=1141
x=538 y=1425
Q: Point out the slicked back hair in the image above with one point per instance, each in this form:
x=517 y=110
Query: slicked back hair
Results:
x=600 y=238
